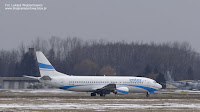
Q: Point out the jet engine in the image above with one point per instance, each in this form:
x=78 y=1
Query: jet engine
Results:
x=122 y=90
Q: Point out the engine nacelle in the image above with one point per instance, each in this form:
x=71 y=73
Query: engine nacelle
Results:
x=122 y=90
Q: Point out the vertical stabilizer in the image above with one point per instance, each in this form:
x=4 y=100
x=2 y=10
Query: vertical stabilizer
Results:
x=169 y=77
x=43 y=63
x=45 y=67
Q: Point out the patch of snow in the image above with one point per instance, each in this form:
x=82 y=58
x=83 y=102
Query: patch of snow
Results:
x=54 y=106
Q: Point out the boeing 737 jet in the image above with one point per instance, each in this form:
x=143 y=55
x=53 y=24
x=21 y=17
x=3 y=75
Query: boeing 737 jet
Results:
x=101 y=85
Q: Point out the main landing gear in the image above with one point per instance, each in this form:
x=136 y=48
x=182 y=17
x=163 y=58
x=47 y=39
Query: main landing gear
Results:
x=93 y=94
x=101 y=94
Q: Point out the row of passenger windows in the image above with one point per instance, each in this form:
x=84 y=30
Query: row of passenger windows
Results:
x=105 y=82
x=88 y=82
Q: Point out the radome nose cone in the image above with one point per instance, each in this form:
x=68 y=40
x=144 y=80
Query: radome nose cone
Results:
x=159 y=86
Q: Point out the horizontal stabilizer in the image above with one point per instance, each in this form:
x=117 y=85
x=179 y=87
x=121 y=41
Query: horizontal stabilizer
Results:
x=37 y=78
x=169 y=77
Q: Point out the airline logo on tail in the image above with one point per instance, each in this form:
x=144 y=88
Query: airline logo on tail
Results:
x=43 y=63
x=45 y=66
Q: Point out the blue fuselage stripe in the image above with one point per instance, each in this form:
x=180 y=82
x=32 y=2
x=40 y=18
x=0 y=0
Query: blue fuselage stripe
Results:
x=45 y=66
x=67 y=87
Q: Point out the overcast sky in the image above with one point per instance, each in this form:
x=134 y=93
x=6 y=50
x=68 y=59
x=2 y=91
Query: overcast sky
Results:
x=130 y=20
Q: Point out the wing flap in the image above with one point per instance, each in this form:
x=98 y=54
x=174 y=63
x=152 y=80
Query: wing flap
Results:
x=107 y=88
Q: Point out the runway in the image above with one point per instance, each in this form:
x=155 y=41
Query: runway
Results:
x=58 y=100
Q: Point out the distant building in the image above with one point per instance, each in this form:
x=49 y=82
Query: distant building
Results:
x=18 y=83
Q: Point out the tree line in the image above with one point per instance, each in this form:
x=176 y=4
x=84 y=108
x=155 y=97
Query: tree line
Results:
x=75 y=56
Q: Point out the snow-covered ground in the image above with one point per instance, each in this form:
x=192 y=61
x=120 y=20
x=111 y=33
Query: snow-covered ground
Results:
x=60 y=100
x=57 y=104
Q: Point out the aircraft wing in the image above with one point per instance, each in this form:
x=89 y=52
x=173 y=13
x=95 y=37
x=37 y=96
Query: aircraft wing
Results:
x=106 y=89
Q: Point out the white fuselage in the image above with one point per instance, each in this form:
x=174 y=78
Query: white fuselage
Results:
x=95 y=84
x=92 y=83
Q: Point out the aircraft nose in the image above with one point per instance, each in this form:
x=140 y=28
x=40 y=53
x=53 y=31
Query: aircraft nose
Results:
x=159 y=86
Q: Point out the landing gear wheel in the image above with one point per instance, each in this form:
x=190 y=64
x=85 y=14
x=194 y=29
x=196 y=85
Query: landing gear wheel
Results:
x=93 y=94
x=147 y=95
x=101 y=94
x=115 y=91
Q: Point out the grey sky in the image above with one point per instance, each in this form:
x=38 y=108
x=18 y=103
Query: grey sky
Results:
x=130 y=20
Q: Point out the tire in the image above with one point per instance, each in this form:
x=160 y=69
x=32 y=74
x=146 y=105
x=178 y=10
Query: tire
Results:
x=93 y=94
x=101 y=94
x=147 y=95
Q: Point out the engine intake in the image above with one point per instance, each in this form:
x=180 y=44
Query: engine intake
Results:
x=122 y=90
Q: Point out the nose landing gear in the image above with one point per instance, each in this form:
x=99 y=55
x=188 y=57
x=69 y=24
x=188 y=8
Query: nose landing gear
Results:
x=147 y=95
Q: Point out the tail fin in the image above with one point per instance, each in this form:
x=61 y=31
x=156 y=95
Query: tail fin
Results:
x=45 y=67
x=169 y=77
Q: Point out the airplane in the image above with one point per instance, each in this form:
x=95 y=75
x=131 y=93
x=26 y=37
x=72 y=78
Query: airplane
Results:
x=184 y=85
x=101 y=85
